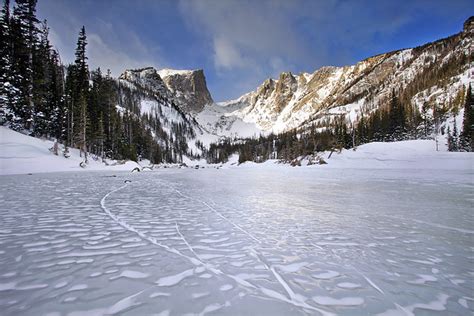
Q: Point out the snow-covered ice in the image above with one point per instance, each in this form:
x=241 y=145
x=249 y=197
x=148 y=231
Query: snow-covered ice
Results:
x=259 y=241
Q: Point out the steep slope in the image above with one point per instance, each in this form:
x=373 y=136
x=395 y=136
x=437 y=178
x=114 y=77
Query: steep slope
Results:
x=174 y=129
x=293 y=101
x=168 y=99
x=23 y=154
x=189 y=88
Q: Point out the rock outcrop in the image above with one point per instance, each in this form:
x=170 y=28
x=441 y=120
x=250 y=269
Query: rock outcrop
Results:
x=189 y=88
x=186 y=88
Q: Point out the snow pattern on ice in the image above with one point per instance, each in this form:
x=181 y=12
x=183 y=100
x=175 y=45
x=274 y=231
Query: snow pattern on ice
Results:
x=245 y=241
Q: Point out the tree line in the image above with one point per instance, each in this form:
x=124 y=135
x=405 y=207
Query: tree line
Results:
x=101 y=116
x=394 y=121
x=80 y=108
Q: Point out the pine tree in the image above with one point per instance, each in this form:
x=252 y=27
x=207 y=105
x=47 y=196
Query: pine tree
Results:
x=81 y=68
x=5 y=62
x=397 y=128
x=69 y=98
x=57 y=99
x=80 y=94
x=24 y=40
x=42 y=73
x=451 y=143
x=467 y=137
x=81 y=139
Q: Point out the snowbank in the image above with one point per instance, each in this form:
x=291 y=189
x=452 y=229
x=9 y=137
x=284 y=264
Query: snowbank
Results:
x=22 y=154
x=412 y=154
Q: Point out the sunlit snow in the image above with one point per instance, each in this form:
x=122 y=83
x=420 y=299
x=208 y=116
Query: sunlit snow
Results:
x=252 y=241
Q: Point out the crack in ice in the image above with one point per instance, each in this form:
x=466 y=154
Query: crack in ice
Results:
x=293 y=298
x=218 y=214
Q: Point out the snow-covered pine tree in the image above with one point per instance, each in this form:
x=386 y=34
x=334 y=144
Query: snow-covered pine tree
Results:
x=56 y=98
x=42 y=72
x=81 y=139
x=80 y=94
x=24 y=40
x=467 y=137
x=5 y=62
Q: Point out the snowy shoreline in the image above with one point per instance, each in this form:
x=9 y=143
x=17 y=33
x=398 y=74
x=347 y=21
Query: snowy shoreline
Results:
x=22 y=154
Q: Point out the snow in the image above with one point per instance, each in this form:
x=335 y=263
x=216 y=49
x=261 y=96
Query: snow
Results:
x=264 y=239
x=412 y=154
x=22 y=154
x=133 y=274
x=351 y=111
x=348 y=285
x=148 y=106
x=220 y=121
x=171 y=72
x=325 y=90
x=174 y=279
x=326 y=275
x=346 y=301
x=360 y=234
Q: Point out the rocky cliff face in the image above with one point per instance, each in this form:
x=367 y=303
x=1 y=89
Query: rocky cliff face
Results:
x=147 y=79
x=430 y=74
x=189 y=88
x=293 y=101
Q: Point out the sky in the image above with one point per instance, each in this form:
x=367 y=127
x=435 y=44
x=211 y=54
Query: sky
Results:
x=240 y=43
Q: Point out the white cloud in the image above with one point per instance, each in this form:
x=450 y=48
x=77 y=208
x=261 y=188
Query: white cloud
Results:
x=102 y=55
x=106 y=54
x=227 y=56
x=245 y=34
x=111 y=43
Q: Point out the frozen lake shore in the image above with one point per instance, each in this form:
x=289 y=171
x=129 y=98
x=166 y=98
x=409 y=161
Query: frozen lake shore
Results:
x=274 y=241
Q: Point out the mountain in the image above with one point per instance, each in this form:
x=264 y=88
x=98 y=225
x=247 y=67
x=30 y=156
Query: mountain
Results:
x=148 y=79
x=149 y=97
x=168 y=100
x=185 y=89
x=432 y=73
x=428 y=80
x=189 y=88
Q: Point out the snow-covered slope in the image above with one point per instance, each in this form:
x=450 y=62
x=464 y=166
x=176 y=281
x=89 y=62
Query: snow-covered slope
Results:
x=431 y=74
x=409 y=155
x=217 y=120
x=173 y=122
x=22 y=154
x=293 y=101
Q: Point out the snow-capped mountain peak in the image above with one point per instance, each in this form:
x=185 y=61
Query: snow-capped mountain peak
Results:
x=294 y=101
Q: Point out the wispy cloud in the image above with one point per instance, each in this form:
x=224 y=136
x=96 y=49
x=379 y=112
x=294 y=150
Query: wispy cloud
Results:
x=240 y=43
x=267 y=37
x=101 y=54
x=111 y=44
x=245 y=33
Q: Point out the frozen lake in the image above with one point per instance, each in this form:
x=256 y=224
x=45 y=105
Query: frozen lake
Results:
x=249 y=241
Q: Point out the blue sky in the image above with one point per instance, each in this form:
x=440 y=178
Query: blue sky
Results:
x=241 y=43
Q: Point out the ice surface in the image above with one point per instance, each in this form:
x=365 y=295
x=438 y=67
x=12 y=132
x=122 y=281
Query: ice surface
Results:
x=346 y=301
x=254 y=241
x=326 y=275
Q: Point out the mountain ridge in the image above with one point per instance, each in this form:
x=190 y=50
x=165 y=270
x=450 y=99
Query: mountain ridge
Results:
x=292 y=101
